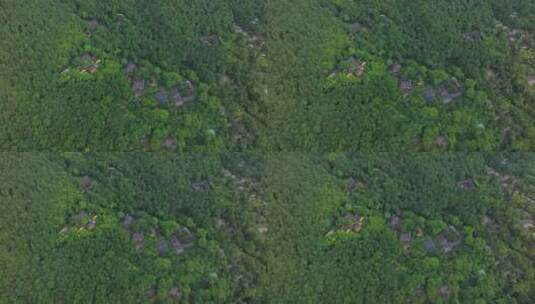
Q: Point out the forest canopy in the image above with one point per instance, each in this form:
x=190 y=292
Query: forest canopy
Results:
x=314 y=75
x=246 y=228
x=281 y=151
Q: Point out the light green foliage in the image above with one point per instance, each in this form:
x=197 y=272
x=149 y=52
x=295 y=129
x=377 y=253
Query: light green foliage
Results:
x=171 y=79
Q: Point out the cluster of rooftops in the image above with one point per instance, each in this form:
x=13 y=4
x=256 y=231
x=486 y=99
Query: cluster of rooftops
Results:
x=447 y=91
x=179 y=95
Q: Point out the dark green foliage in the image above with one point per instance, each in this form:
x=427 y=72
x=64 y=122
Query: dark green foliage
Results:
x=33 y=196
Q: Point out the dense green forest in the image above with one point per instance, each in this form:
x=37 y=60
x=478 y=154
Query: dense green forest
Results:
x=287 y=228
x=128 y=75
x=124 y=228
x=401 y=75
x=301 y=75
x=279 y=151
x=407 y=228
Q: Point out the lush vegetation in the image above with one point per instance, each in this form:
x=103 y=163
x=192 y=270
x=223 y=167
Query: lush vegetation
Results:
x=353 y=75
x=104 y=76
x=289 y=228
x=228 y=75
x=400 y=229
x=123 y=228
x=281 y=151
